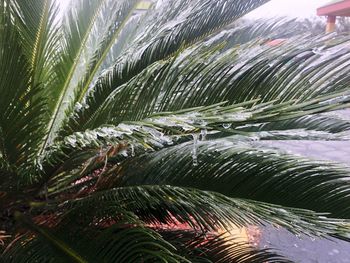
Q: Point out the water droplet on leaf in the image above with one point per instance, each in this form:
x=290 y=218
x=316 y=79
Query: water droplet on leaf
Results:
x=194 y=150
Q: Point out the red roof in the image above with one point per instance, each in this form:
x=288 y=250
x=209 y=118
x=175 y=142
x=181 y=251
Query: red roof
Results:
x=340 y=8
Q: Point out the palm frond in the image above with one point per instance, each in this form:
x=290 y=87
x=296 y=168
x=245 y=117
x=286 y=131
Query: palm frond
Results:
x=77 y=27
x=267 y=29
x=58 y=244
x=39 y=31
x=166 y=36
x=206 y=211
x=316 y=122
x=22 y=110
x=112 y=32
x=7 y=177
x=211 y=247
x=87 y=150
x=124 y=241
x=159 y=87
x=291 y=134
x=123 y=41
x=84 y=152
x=35 y=250
x=245 y=170
x=136 y=244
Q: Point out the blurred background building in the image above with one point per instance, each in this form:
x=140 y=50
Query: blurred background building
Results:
x=332 y=10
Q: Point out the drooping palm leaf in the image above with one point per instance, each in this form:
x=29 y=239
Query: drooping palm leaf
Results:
x=210 y=77
x=246 y=171
x=130 y=240
x=217 y=248
x=208 y=210
x=98 y=145
x=167 y=34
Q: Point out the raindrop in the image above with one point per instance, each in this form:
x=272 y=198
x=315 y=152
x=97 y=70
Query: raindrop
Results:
x=78 y=106
x=132 y=150
x=194 y=150
x=282 y=211
x=203 y=134
x=123 y=153
x=226 y=125
x=317 y=51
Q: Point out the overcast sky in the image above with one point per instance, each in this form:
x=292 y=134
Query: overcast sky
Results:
x=294 y=8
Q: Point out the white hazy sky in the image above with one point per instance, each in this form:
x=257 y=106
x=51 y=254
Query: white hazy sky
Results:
x=295 y=8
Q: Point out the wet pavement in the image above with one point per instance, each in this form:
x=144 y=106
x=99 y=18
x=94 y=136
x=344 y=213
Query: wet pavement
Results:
x=338 y=151
x=303 y=249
